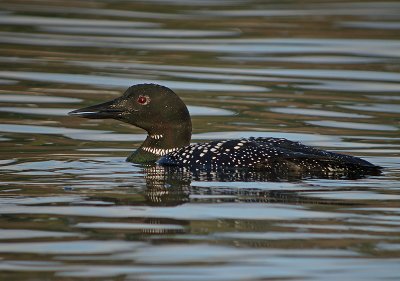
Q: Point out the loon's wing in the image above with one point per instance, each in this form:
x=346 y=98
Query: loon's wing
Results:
x=295 y=150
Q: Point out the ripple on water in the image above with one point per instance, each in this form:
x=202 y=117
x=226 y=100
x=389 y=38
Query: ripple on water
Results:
x=4 y=139
x=28 y=129
x=370 y=182
x=316 y=112
x=371 y=25
x=359 y=47
x=7 y=82
x=341 y=227
x=388 y=246
x=382 y=97
x=257 y=267
x=129 y=226
x=353 y=86
x=89 y=217
x=376 y=107
x=161 y=254
x=100 y=135
x=96 y=12
x=36 y=111
x=193 y=110
x=392 y=210
x=42 y=200
x=353 y=195
x=50 y=21
x=308 y=59
x=83 y=247
x=92 y=166
x=10 y=234
x=152 y=33
x=99 y=81
x=353 y=125
x=248 y=211
x=308 y=80
x=320 y=9
x=37 y=99
x=362 y=75
x=237 y=186
x=292 y=236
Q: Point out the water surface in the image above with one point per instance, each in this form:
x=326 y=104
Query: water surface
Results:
x=325 y=74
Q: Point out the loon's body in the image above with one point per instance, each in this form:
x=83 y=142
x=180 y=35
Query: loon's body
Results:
x=165 y=117
x=271 y=154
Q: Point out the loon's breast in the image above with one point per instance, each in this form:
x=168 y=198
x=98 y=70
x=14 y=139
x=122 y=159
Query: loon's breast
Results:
x=263 y=154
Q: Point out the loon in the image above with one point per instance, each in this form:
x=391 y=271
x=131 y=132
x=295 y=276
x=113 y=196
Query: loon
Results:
x=165 y=117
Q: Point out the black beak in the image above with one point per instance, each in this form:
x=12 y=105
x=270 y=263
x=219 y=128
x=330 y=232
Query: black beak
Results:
x=98 y=111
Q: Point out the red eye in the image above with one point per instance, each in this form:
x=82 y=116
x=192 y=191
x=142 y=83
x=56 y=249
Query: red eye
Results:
x=143 y=100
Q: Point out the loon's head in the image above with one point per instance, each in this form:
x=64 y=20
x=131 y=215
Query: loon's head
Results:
x=154 y=108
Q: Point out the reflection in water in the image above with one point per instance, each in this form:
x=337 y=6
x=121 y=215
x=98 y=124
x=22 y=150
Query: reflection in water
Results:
x=371 y=25
x=36 y=99
x=93 y=11
x=261 y=47
x=379 y=107
x=193 y=110
x=164 y=188
x=315 y=112
x=327 y=59
x=153 y=33
x=71 y=208
x=115 y=81
x=30 y=20
x=354 y=125
x=170 y=186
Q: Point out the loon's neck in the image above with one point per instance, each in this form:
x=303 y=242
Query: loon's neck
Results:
x=161 y=142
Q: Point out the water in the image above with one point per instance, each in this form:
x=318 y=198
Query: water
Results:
x=325 y=74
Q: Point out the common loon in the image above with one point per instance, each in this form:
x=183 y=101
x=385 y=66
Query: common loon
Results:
x=159 y=111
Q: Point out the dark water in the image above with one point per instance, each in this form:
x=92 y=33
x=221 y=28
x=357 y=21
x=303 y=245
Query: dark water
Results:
x=71 y=208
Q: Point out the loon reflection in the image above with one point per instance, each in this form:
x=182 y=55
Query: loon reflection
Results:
x=171 y=186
